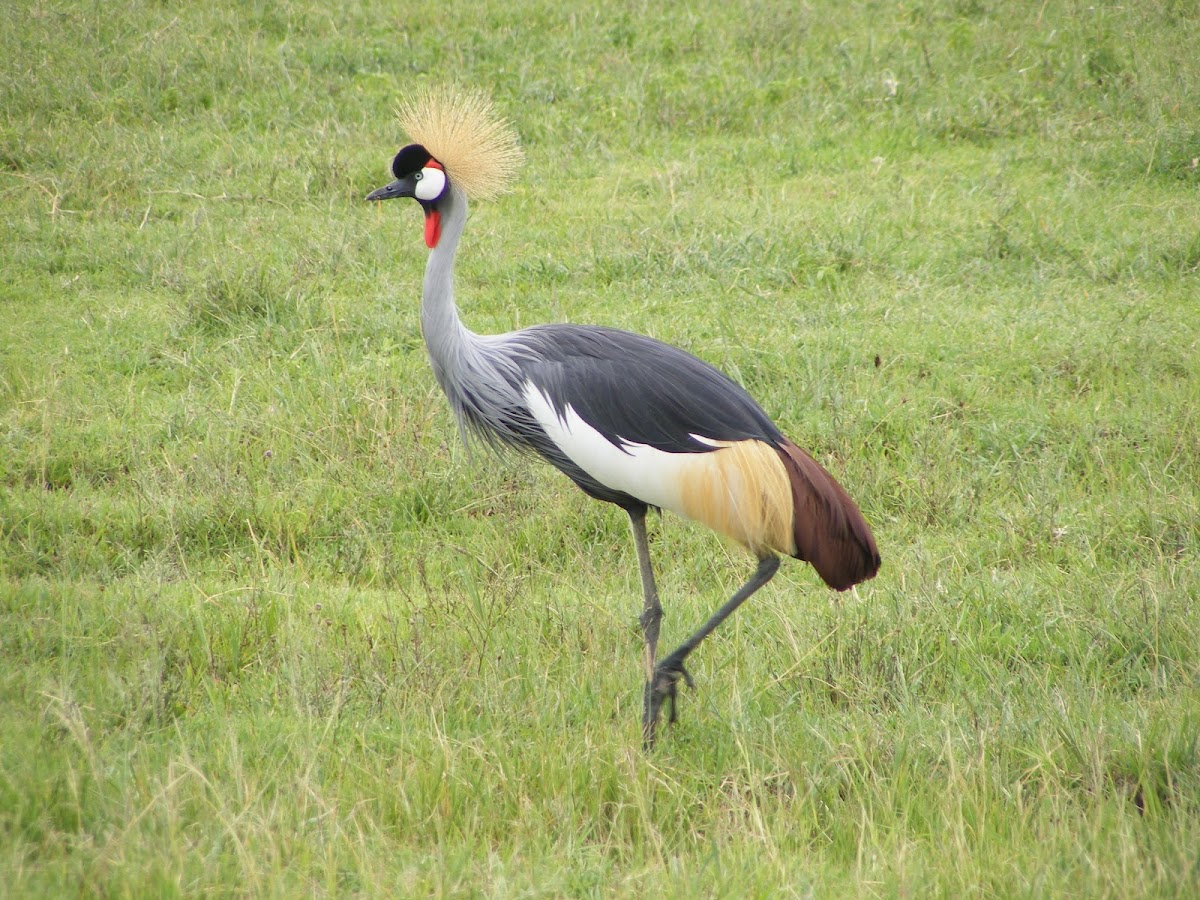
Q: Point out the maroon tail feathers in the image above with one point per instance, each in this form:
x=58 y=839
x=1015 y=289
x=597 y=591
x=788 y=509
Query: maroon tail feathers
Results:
x=830 y=531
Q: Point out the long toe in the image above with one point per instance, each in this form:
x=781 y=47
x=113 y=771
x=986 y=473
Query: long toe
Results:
x=664 y=688
x=651 y=704
x=666 y=681
x=687 y=677
x=661 y=690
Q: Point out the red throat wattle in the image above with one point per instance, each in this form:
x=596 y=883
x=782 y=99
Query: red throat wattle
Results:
x=433 y=227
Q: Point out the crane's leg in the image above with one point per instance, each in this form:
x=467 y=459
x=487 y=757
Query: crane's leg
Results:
x=651 y=614
x=667 y=673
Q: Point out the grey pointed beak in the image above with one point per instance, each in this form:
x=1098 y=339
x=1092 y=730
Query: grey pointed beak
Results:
x=402 y=187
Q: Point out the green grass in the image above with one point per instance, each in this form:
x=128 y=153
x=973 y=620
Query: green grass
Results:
x=266 y=628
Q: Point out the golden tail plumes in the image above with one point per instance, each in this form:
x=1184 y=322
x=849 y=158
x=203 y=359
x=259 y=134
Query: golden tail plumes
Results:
x=829 y=530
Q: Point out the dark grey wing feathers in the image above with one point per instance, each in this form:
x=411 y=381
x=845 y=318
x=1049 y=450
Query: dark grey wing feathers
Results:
x=633 y=388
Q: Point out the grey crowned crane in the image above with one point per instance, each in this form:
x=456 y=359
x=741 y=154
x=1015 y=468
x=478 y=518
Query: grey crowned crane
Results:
x=629 y=419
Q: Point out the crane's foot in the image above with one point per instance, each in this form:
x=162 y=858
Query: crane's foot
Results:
x=663 y=688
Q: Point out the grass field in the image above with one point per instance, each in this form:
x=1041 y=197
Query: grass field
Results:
x=268 y=629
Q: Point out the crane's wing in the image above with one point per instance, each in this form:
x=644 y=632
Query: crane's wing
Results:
x=634 y=389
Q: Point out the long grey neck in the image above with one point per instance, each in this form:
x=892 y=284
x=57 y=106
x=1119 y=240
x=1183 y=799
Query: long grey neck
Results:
x=446 y=337
x=480 y=376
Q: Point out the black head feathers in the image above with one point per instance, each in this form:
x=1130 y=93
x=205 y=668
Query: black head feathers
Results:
x=410 y=159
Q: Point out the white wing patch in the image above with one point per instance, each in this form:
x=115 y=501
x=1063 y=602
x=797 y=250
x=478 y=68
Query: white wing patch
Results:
x=739 y=489
x=638 y=470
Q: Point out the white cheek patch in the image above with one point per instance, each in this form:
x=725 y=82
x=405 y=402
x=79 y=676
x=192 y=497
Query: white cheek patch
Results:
x=431 y=184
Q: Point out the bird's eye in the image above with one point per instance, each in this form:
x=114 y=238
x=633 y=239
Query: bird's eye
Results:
x=417 y=176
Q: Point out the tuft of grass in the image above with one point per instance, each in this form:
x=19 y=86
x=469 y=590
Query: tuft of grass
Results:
x=270 y=629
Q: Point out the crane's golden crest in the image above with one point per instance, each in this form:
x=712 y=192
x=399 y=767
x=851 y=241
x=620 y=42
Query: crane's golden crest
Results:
x=462 y=130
